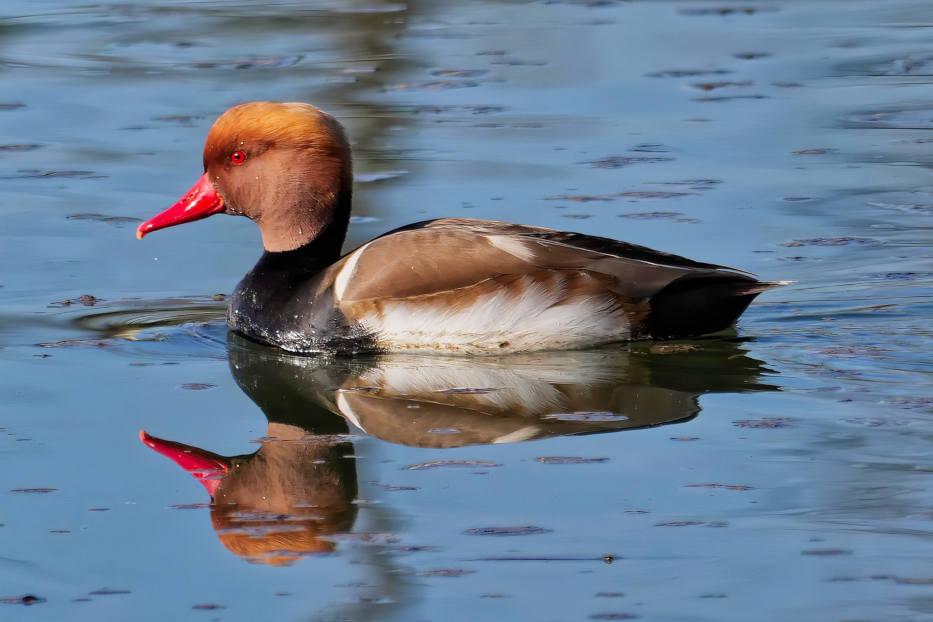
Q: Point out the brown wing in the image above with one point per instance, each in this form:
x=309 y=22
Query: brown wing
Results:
x=451 y=253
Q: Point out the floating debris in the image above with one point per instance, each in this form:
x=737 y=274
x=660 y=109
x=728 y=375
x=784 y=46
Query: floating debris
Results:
x=197 y=386
x=525 y=530
x=816 y=151
x=568 y=460
x=722 y=486
x=459 y=73
x=439 y=85
x=620 y=161
x=440 y=464
x=687 y=73
x=87 y=300
x=106 y=591
x=826 y=552
x=652 y=215
x=691 y=523
x=650 y=148
x=728 y=10
x=269 y=62
x=725 y=98
x=30 y=173
x=712 y=86
x=110 y=220
x=839 y=241
x=766 y=422
x=447 y=572
x=392 y=487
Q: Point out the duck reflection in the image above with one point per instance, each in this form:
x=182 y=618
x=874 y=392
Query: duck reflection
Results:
x=290 y=498
x=440 y=401
x=282 y=502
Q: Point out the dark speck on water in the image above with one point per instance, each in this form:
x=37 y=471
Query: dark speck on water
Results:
x=27 y=600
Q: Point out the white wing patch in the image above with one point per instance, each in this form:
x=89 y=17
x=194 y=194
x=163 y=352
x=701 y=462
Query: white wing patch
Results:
x=521 y=248
x=530 y=317
x=346 y=272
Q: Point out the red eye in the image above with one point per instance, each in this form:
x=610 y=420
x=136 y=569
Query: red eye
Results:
x=238 y=157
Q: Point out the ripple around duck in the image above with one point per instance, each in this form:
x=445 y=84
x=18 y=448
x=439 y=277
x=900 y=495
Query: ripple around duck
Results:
x=154 y=329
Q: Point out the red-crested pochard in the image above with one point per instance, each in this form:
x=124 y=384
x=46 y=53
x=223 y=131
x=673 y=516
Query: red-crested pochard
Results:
x=451 y=284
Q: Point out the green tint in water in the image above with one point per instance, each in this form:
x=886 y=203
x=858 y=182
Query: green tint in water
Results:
x=793 y=480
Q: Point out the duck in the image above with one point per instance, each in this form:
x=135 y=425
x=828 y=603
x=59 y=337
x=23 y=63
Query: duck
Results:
x=452 y=285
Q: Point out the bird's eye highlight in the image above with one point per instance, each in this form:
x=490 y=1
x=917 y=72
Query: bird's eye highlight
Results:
x=238 y=157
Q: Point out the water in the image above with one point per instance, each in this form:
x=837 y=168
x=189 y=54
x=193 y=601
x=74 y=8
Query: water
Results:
x=782 y=473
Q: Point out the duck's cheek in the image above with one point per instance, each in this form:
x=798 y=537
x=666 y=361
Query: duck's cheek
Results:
x=201 y=201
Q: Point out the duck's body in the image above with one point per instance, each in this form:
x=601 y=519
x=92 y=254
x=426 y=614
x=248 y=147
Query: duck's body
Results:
x=453 y=284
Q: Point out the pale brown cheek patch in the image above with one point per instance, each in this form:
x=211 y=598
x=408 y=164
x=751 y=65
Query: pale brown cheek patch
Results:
x=548 y=309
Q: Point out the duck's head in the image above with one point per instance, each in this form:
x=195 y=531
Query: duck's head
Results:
x=286 y=166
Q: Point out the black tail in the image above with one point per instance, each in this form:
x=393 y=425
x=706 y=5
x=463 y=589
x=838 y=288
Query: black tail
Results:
x=699 y=305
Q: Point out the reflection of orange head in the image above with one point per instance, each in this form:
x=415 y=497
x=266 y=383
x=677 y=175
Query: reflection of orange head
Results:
x=280 y=503
x=273 y=540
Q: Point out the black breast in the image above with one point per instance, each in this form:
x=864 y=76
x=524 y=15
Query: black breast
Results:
x=280 y=302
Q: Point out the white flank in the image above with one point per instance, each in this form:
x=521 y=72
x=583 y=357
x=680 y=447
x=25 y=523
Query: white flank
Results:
x=500 y=322
x=346 y=272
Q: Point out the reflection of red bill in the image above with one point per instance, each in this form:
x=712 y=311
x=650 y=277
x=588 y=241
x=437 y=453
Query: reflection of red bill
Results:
x=208 y=468
x=199 y=202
